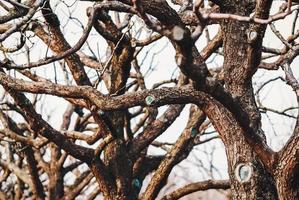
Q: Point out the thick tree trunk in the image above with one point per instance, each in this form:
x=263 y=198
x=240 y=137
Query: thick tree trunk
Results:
x=242 y=42
x=287 y=181
x=287 y=190
x=116 y=157
x=248 y=176
x=261 y=184
x=121 y=167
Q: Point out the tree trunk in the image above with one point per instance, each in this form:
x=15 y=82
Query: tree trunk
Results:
x=261 y=184
x=287 y=182
x=287 y=190
x=242 y=42
x=253 y=182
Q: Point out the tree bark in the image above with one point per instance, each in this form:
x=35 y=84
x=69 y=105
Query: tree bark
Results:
x=241 y=43
x=287 y=189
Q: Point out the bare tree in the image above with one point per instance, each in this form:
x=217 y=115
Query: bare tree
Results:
x=113 y=115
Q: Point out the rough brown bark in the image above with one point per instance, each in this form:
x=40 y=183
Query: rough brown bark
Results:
x=120 y=162
x=241 y=59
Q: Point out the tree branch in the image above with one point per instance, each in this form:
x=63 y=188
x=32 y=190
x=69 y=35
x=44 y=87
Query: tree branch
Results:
x=195 y=187
x=38 y=125
x=180 y=149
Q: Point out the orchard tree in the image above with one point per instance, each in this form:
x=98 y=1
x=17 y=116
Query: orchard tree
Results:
x=115 y=114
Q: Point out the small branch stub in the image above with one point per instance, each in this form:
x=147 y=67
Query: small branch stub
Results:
x=100 y=112
x=243 y=172
x=133 y=43
x=149 y=100
x=252 y=36
x=194 y=132
x=136 y=183
x=178 y=33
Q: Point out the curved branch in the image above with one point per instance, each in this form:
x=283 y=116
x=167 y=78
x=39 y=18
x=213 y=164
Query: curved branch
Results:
x=195 y=187
x=31 y=12
x=38 y=125
x=289 y=154
x=160 y=97
x=179 y=151
x=72 y=50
